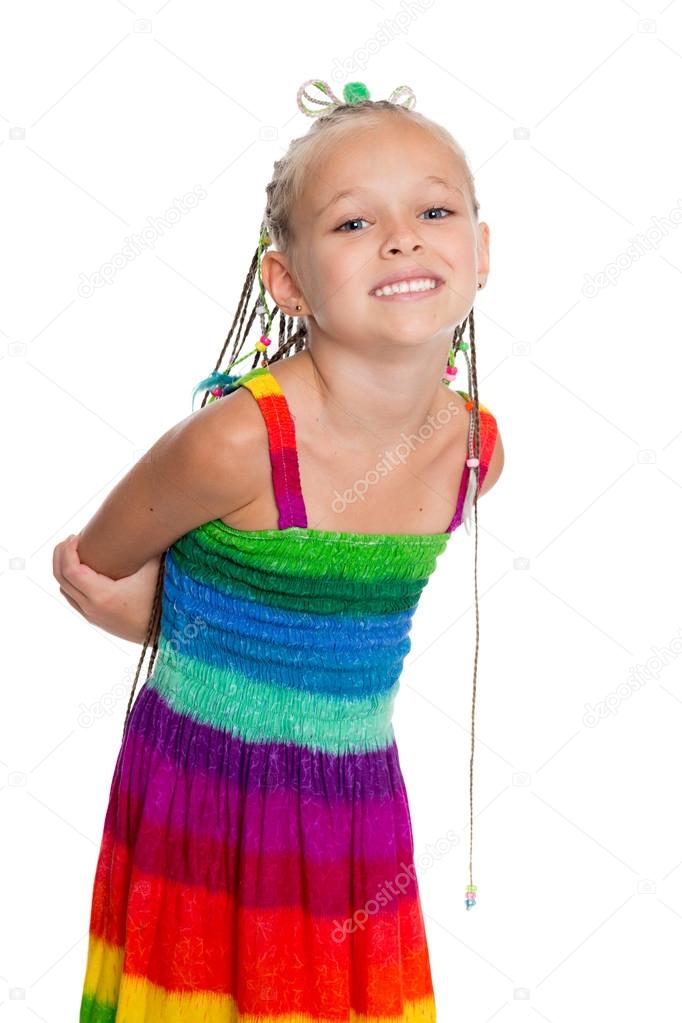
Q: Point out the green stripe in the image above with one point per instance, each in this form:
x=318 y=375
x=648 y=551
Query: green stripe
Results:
x=262 y=712
x=93 y=1011
x=332 y=574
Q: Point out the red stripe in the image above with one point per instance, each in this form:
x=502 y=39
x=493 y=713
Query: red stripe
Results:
x=280 y=958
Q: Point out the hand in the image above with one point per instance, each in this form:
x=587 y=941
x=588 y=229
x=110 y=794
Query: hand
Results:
x=122 y=607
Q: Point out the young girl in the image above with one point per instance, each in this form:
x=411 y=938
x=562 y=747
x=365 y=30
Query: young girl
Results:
x=257 y=858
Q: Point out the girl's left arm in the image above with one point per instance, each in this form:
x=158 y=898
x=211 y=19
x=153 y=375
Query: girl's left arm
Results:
x=495 y=466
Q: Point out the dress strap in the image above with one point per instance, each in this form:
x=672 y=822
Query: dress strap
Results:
x=488 y=436
x=279 y=422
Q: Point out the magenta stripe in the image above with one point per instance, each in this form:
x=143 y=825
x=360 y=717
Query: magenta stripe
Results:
x=158 y=791
x=267 y=878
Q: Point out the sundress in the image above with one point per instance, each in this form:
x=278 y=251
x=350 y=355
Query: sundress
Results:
x=257 y=856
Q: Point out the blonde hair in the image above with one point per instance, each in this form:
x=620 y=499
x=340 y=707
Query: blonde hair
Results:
x=305 y=153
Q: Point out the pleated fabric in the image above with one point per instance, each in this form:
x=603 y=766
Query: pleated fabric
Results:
x=257 y=857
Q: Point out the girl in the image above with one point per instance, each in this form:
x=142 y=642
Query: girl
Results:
x=257 y=857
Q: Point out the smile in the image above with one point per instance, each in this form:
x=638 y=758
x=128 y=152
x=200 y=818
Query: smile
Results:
x=419 y=287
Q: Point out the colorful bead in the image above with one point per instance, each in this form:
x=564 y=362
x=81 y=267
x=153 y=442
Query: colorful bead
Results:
x=451 y=371
x=472 y=461
x=218 y=391
x=469 y=405
x=470 y=900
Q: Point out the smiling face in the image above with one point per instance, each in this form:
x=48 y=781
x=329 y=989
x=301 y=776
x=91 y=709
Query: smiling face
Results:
x=393 y=218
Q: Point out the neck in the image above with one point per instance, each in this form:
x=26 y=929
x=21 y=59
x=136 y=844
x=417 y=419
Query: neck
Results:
x=363 y=403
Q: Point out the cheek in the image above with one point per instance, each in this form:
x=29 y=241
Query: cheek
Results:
x=339 y=272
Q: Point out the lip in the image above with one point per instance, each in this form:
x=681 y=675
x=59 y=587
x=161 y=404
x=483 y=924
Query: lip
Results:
x=408 y=275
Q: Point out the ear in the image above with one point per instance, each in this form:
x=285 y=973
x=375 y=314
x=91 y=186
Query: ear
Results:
x=483 y=267
x=278 y=280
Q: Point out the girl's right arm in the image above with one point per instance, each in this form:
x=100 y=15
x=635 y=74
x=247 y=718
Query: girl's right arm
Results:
x=209 y=465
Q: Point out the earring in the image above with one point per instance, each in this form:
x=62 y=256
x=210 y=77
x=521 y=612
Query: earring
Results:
x=299 y=307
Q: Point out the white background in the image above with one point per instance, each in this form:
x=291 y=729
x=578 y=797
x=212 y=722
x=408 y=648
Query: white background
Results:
x=569 y=115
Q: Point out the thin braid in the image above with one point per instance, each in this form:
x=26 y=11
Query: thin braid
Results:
x=153 y=632
x=477 y=454
x=296 y=341
x=243 y=301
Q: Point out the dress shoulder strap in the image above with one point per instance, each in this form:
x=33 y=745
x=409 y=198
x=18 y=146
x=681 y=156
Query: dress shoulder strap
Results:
x=488 y=436
x=279 y=423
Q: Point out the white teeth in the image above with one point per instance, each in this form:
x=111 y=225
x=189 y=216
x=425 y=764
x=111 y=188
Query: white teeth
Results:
x=418 y=284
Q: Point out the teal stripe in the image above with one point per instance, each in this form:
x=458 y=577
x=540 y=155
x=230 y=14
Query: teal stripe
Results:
x=261 y=712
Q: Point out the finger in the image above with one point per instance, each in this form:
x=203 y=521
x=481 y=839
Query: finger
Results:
x=56 y=556
x=58 y=561
x=81 y=577
x=73 y=604
x=84 y=604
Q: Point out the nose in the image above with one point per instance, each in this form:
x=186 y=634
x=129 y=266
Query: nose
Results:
x=402 y=237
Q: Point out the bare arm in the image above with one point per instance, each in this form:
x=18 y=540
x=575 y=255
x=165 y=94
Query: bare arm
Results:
x=206 y=468
x=198 y=471
x=495 y=466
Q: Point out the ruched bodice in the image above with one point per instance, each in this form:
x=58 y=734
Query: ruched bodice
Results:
x=318 y=630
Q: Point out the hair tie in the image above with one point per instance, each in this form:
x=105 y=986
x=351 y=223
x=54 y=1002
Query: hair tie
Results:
x=353 y=92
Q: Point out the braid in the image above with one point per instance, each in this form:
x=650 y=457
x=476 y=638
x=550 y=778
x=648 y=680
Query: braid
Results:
x=153 y=632
x=288 y=341
x=241 y=308
x=476 y=446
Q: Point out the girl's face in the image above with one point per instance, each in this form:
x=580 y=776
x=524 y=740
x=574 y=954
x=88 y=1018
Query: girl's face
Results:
x=395 y=219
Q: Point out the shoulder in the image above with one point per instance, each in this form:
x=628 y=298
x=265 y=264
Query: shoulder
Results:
x=221 y=451
x=491 y=448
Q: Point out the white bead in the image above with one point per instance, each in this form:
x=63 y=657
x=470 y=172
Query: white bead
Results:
x=472 y=461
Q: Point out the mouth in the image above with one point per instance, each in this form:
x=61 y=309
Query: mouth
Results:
x=411 y=290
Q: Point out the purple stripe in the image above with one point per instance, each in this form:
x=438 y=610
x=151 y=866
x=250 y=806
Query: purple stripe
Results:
x=285 y=795
x=279 y=843
x=287 y=487
x=375 y=774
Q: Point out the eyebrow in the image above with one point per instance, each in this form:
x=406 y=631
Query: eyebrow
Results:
x=430 y=178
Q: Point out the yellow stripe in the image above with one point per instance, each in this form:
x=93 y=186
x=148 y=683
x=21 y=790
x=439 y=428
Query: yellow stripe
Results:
x=139 y=1001
x=262 y=385
x=103 y=971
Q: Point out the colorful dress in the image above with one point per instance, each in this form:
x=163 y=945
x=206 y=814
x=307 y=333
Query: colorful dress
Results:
x=256 y=862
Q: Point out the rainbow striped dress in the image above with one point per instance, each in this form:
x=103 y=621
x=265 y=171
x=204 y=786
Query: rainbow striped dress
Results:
x=257 y=859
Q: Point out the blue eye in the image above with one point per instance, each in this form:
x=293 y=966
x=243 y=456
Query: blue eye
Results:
x=431 y=209
x=355 y=220
x=434 y=209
